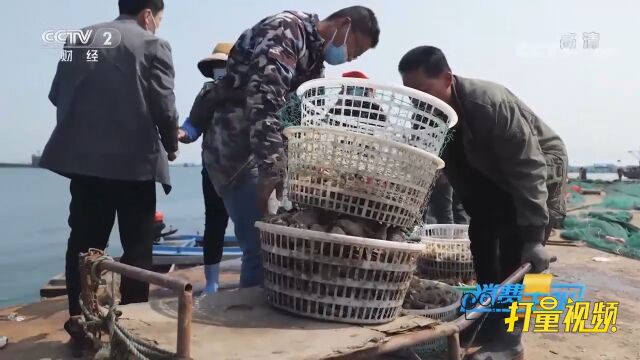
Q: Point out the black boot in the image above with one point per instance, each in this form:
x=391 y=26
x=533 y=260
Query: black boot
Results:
x=504 y=346
x=78 y=336
x=480 y=332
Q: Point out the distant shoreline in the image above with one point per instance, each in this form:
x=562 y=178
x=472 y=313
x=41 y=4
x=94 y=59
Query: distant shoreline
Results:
x=17 y=165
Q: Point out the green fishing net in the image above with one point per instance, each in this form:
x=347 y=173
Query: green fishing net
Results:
x=290 y=114
x=623 y=196
x=609 y=231
x=575 y=200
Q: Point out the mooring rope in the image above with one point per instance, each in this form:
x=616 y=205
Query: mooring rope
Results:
x=119 y=335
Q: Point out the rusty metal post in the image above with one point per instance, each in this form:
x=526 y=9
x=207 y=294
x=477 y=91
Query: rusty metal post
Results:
x=185 y=299
x=150 y=277
x=453 y=346
x=185 y=310
x=400 y=342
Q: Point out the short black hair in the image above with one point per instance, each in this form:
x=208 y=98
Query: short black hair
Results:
x=363 y=20
x=429 y=59
x=133 y=7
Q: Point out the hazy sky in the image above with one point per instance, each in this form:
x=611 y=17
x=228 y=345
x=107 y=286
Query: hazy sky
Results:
x=587 y=96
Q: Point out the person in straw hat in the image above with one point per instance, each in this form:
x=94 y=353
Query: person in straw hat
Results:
x=216 y=218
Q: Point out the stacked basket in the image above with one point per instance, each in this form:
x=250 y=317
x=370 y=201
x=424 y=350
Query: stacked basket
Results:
x=365 y=150
x=447 y=253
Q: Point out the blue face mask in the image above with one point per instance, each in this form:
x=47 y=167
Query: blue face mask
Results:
x=336 y=55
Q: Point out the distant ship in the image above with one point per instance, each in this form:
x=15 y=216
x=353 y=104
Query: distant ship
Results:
x=631 y=172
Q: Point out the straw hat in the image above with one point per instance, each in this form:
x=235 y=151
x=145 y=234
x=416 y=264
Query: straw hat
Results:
x=220 y=54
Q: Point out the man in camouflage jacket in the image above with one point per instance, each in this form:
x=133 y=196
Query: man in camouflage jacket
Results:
x=243 y=149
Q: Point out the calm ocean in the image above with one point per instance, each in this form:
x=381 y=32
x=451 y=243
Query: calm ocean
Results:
x=33 y=225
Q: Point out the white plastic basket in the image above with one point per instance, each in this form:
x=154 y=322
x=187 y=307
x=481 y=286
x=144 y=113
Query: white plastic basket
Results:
x=447 y=255
x=448 y=313
x=395 y=113
x=359 y=174
x=335 y=277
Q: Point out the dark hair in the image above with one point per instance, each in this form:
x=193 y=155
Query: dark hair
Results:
x=429 y=59
x=363 y=20
x=133 y=7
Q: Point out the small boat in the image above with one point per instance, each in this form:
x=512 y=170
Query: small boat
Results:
x=181 y=250
x=170 y=252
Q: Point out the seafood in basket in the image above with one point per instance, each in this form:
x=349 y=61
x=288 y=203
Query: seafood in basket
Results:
x=335 y=277
x=359 y=174
x=336 y=223
x=447 y=254
x=435 y=300
x=425 y=294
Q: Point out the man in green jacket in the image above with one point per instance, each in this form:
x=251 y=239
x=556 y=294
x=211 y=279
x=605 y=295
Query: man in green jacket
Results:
x=508 y=168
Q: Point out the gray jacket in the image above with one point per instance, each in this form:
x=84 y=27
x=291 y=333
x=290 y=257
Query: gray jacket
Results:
x=116 y=118
x=506 y=142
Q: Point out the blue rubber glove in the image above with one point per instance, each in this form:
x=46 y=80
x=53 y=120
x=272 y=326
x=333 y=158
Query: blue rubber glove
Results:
x=191 y=133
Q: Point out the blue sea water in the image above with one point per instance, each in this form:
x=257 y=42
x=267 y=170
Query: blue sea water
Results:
x=34 y=207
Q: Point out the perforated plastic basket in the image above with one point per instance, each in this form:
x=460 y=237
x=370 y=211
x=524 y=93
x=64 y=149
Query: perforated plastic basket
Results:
x=447 y=255
x=395 y=113
x=448 y=313
x=335 y=277
x=359 y=174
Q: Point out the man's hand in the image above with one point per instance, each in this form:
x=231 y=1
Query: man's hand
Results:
x=182 y=135
x=265 y=189
x=172 y=156
x=537 y=255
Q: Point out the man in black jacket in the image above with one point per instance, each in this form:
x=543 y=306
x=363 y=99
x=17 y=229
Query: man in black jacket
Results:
x=507 y=166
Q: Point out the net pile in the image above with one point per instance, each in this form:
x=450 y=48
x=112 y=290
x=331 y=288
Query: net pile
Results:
x=622 y=196
x=607 y=226
x=607 y=231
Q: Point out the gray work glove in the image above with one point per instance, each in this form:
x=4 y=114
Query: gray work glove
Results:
x=533 y=251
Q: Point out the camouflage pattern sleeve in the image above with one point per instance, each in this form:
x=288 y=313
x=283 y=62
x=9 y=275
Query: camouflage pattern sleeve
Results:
x=272 y=70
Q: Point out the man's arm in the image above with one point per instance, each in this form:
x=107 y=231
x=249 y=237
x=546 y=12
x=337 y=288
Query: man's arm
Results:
x=162 y=101
x=524 y=167
x=272 y=69
x=200 y=115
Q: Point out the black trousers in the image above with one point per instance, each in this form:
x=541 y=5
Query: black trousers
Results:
x=95 y=202
x=216 y=221
x=495 y=241
x=444 y=205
